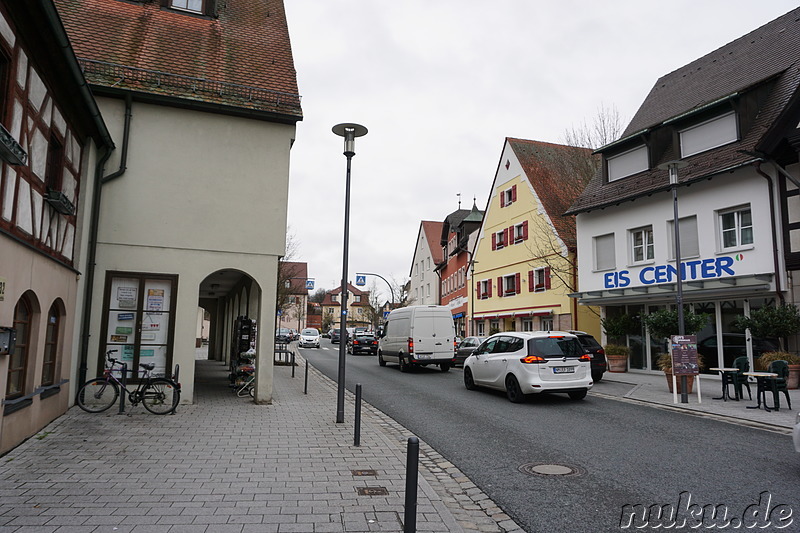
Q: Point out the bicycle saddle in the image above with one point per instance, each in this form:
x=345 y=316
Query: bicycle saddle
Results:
x=147 y=366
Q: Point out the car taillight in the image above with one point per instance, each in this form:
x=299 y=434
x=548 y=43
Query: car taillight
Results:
x=601 y=351
x=374 y=342
x=585 y=357
x=533 y=360
x=410 y=345
x=455 y=346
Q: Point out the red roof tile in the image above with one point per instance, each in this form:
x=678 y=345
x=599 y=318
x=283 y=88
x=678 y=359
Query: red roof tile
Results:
x=241 y=58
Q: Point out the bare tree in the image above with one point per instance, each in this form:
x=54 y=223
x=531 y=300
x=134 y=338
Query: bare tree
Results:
x=318 y=296
x=288 y=271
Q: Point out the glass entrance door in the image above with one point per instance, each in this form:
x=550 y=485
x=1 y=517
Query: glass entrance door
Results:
x=138 y=323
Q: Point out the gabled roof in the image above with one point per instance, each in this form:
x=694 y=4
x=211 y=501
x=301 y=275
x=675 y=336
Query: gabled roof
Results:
x=766 y=62
x=549 y=170
x=350 y=288
x=242 y=58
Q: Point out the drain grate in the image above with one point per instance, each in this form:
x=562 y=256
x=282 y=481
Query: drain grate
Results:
x=372 y=491
x=551 y=469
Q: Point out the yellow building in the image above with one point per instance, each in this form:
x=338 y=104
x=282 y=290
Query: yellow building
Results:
x=525 y=262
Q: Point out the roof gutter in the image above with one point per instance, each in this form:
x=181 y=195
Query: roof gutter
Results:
x=775 y=258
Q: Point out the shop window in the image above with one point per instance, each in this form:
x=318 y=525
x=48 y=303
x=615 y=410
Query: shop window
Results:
x=51 y=346
x=527 y=324
x=641 y=243
x=18 y=361
x=736 y=228
x=546 y=324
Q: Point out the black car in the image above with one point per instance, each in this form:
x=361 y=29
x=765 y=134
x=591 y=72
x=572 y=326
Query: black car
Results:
x=283 y=335
x=465 y=348
x=360 y=343
x=597 y=353
x=335 y=335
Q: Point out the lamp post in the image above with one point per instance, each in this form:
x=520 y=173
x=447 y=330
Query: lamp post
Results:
x=673 y=167
x=472 y=296
x=349 y=132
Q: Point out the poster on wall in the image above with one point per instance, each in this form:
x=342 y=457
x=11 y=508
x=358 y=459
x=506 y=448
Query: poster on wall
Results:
x=155 y=300
x=119 y=338
x=127 y=352
x=126 y=297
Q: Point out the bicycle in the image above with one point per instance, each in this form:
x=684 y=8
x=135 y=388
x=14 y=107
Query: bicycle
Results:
x=159 y=395
x=248 y=387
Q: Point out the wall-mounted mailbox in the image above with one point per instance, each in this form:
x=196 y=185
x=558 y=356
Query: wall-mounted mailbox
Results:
x=8 y=337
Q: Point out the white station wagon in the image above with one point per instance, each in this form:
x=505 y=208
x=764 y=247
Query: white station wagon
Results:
x=522 y=363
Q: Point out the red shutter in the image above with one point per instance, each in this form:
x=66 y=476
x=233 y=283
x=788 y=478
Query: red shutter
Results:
x=502 y=199
x=511 y=239
x=494 y=241
x=506 y=237
x=500 y=286
x=514 y=193
x=478 y=290
x=530 y=280
x=525 y=230
x=488 y=288
x=546 y=277
x=517 y=284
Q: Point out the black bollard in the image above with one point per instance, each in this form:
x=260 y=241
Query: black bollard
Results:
x=124 y=388
x=292 y=364
x=412 y=473
x=357 y=427
x=305 y=387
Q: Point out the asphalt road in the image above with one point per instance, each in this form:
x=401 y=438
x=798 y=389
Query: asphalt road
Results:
x=621 y=453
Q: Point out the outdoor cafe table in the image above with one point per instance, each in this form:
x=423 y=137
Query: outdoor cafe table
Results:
x=761 y=388
x=726 y=372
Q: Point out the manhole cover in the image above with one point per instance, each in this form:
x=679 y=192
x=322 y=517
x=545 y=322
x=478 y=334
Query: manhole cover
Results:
x=551 y=469
x=364 y=472
x=372 y=491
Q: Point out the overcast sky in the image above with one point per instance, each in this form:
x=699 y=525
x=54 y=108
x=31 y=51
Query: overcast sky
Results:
x=441 y=83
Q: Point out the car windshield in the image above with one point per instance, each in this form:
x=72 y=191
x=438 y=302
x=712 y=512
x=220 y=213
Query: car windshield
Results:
x=310 y=332
x=555 y=347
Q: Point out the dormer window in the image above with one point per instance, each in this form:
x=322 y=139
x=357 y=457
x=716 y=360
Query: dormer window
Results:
x=627 y=163
x=713 y=133
x=195 y=6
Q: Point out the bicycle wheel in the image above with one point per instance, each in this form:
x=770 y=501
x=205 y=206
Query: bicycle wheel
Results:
x=97 y=395
x=160 y=396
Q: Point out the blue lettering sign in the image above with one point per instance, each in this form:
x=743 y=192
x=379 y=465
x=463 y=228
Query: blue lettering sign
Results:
x=690 y=270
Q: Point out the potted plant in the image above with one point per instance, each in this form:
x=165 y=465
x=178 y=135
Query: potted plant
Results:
x=617 y=357
x=618 y=327
x=775 y=321
x=663 y=323
x=762 y=363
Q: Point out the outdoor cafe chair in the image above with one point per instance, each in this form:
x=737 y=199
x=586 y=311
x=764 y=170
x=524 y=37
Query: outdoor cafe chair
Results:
x=779 y=384
x=738 y=378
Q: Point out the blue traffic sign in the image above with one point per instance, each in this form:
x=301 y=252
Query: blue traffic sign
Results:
x=361 y=280
x=386 y=314
x=310 y=284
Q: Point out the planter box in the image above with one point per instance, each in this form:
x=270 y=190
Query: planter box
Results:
x=794 y=377
x=689 y=383
x=617 y=363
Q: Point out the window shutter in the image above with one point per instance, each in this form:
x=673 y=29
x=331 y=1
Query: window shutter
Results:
x=517 y=284
x=502 y=199
x=506 y=237
x=494 y=241
x=525 y=230
x=478 y=289
x=530 y=280
x=488 y=288
x=546 y=278
x=511 y=239
x=500 y=291
x=514 y=193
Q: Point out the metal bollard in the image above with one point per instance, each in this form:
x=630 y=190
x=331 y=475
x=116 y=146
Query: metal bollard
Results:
x=305 y=387
x=412 y=473
x=292 y=364
x=124 y=387
x=357 y=427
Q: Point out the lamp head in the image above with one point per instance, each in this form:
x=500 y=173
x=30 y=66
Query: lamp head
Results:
x=349 y=131
x=673 y=167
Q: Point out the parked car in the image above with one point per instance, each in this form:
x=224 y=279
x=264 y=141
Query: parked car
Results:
x=418 y=335
x=362 y=342
x=465 y=348
x=309 y=337
x=522 y=363
x=293 y=334
x=596 y=351
x=336 y=335
x=283 y=335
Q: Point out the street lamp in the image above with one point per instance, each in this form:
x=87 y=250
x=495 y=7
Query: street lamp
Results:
x=673 y=167
x=391 y=290
x=349 y=132
x=472 y=295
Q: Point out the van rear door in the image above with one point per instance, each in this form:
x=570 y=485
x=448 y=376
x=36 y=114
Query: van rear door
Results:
x=433 y=334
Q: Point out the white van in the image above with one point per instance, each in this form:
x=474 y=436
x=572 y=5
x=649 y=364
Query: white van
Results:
x=418 y=335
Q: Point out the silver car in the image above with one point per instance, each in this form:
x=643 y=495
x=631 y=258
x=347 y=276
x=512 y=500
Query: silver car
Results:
x=309 y=337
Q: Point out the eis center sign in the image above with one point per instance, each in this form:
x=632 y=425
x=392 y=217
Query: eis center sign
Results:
x=718 y=267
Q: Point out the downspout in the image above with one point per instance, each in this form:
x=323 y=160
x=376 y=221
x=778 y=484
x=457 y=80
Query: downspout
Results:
x=93 y=230
x=775 y=257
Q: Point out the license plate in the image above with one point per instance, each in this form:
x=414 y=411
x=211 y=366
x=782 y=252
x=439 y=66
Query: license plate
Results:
x=563 y=369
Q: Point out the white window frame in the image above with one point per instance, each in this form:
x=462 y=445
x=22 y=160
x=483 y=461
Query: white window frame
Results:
x=518 y=232
x=183 y=5
x=647 y=247
x=600 y=251
x=508 y=197
x=713 y=133
x=546 y=323
x=738 y=228
x=537 y=274
x=484 y=294
x=357 y=298
x=628 y=163
x=513 y=285
x=500 y=239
